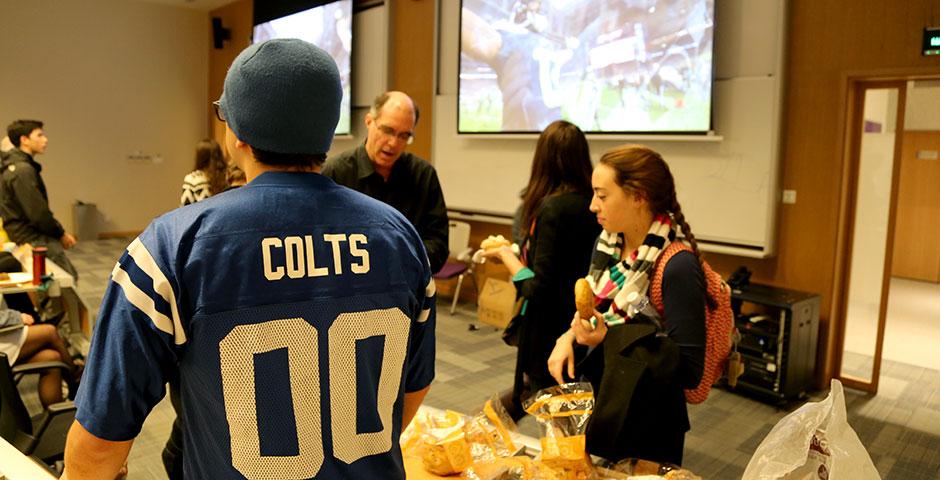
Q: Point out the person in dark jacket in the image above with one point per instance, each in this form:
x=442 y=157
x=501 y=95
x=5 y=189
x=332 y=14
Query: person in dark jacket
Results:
x=383 y=170
x=24 y=202
x=558 y=232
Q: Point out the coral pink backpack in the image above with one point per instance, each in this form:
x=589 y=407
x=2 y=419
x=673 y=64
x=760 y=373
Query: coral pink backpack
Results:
x=719 y=321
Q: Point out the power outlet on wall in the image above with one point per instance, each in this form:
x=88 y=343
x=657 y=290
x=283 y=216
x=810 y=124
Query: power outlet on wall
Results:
x=141 y=157
x=789 y=197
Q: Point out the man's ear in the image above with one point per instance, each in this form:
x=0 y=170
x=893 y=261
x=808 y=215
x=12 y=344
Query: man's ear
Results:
x=369 y=119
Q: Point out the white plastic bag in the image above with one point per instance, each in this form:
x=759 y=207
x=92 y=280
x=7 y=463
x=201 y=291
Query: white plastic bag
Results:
x=815 y=442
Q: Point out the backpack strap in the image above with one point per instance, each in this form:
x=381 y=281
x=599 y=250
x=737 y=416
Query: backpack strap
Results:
x=656 y=283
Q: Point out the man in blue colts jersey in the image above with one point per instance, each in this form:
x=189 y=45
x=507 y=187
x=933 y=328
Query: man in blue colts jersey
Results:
x=298 y=314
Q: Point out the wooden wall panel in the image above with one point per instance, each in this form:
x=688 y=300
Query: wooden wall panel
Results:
x=237 y=18
x=411 y=62
x=916 y=249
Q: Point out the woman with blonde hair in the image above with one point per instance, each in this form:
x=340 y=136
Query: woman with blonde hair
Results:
x=640 y=364
x=209 y=174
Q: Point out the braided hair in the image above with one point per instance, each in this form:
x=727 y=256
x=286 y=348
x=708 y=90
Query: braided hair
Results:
x=641 y=170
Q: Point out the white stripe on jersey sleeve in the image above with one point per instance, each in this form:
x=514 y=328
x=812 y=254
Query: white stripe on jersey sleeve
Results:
x=161 y=285
x=140 y=300
x=429 y=292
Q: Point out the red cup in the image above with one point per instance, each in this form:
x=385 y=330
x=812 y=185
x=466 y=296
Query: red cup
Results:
x=39 y=264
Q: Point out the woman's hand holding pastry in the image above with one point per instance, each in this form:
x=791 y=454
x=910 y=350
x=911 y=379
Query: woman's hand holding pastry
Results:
x=500 y=252
x=584 y=334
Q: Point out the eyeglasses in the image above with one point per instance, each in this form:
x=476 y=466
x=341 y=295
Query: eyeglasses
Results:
x=390 y=132
x=218 y=111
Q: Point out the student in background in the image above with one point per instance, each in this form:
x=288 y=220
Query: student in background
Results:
x=558 y=231
x=635 y=202
x=25 y=342
x=208 y=176
x=24 y=202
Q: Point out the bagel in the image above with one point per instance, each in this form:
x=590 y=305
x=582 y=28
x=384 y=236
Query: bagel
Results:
x=494 y=242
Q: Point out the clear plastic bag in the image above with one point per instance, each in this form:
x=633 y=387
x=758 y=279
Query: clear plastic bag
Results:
x=443 y=444
x=488 y=432
x=563 y=412
x=815 y=442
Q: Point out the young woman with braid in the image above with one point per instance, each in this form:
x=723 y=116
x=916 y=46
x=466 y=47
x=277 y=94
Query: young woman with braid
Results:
x=557 y=233
x=639 y=365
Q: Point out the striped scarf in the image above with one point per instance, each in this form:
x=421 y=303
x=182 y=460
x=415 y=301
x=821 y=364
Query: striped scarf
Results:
x=613 y=281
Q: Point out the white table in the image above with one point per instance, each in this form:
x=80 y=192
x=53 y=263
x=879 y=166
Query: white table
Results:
x=16 y=466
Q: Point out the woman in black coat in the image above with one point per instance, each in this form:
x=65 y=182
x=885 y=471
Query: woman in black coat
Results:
x=559 y=232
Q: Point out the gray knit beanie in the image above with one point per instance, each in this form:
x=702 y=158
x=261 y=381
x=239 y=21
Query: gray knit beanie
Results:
x=283 y=96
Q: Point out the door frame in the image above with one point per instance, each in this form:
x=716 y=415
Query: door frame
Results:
x=857 y=88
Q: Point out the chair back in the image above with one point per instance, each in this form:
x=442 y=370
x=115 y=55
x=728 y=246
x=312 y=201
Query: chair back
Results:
x=13 y=414
x=458 y=239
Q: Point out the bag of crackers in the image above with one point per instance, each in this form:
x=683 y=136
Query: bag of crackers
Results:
x=449 y=443
x=562 y=412
x=442 y=443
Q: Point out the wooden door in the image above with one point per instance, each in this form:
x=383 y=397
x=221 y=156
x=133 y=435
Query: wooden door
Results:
x=916 y=249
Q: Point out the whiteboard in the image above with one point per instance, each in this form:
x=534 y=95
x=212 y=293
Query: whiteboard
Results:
x=728 y=189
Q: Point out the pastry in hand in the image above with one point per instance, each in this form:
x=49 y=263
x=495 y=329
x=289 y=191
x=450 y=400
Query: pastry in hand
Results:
x=584 y=300
x=494 y=242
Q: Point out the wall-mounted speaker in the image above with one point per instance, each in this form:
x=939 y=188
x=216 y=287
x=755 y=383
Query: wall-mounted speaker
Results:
x=219 y=33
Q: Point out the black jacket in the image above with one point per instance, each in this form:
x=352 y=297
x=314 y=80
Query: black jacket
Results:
x=559 y=253
x=24 y=203
x=412 y=188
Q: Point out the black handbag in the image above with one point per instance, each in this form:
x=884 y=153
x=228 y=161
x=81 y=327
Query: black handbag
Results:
x=635 y=358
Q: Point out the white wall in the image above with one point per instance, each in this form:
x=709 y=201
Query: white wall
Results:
x=109 y=78
x=881 y=107
x=369 y=72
